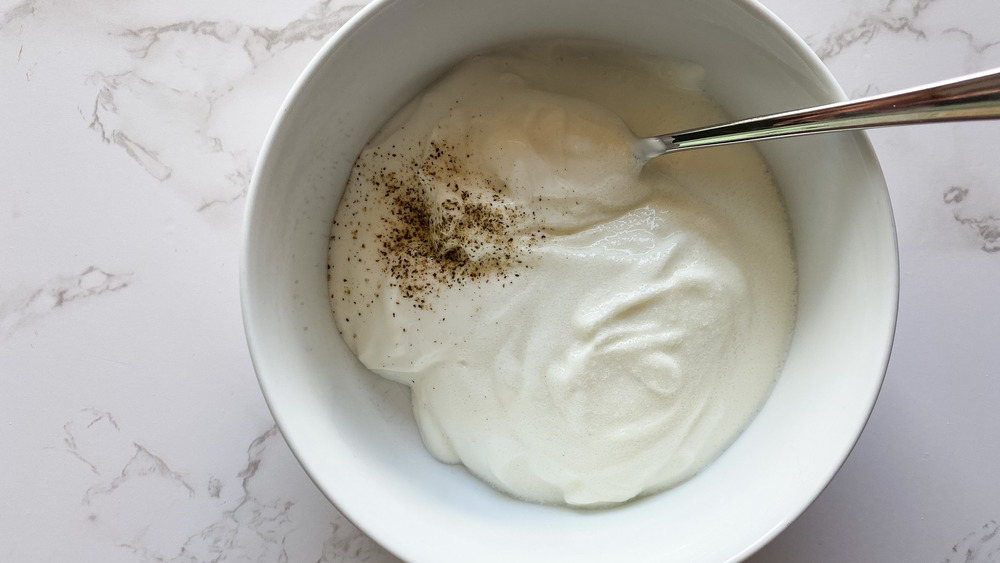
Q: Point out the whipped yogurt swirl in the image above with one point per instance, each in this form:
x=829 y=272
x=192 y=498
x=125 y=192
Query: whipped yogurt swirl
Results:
x=575 y=330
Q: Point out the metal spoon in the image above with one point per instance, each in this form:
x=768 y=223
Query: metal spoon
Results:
x=971 y=97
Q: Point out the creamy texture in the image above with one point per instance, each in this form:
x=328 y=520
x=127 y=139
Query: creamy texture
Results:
x=574 y=329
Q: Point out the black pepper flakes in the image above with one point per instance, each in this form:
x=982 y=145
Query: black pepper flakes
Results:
x=424 y=245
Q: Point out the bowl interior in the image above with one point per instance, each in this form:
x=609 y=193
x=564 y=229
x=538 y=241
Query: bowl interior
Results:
x=354 y=432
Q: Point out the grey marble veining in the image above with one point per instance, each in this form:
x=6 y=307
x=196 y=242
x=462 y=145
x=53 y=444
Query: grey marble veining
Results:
x=131 y=426
x=168 y=90
x=24 y=305
x=156 y=513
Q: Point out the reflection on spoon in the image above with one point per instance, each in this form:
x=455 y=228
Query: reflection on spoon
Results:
x=967 y=98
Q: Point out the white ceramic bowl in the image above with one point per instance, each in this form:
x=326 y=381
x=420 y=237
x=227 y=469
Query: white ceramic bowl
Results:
x=354 y=432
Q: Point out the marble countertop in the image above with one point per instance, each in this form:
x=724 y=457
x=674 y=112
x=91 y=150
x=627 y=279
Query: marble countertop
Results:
x=131 y=424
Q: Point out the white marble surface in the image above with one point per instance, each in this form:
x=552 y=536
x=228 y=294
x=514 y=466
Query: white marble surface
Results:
x=131 y=424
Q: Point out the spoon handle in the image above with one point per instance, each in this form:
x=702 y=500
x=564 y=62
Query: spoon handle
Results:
x=971 y=97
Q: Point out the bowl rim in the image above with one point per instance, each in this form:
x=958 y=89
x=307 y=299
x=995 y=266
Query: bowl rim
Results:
x=252 y=209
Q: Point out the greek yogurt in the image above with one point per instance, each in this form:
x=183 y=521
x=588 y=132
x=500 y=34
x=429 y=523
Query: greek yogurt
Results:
x=575 y=329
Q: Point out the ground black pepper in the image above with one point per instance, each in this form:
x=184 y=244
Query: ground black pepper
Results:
x=468 y=235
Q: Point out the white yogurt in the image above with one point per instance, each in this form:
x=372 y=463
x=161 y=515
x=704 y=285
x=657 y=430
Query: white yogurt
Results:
x=575 y=330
